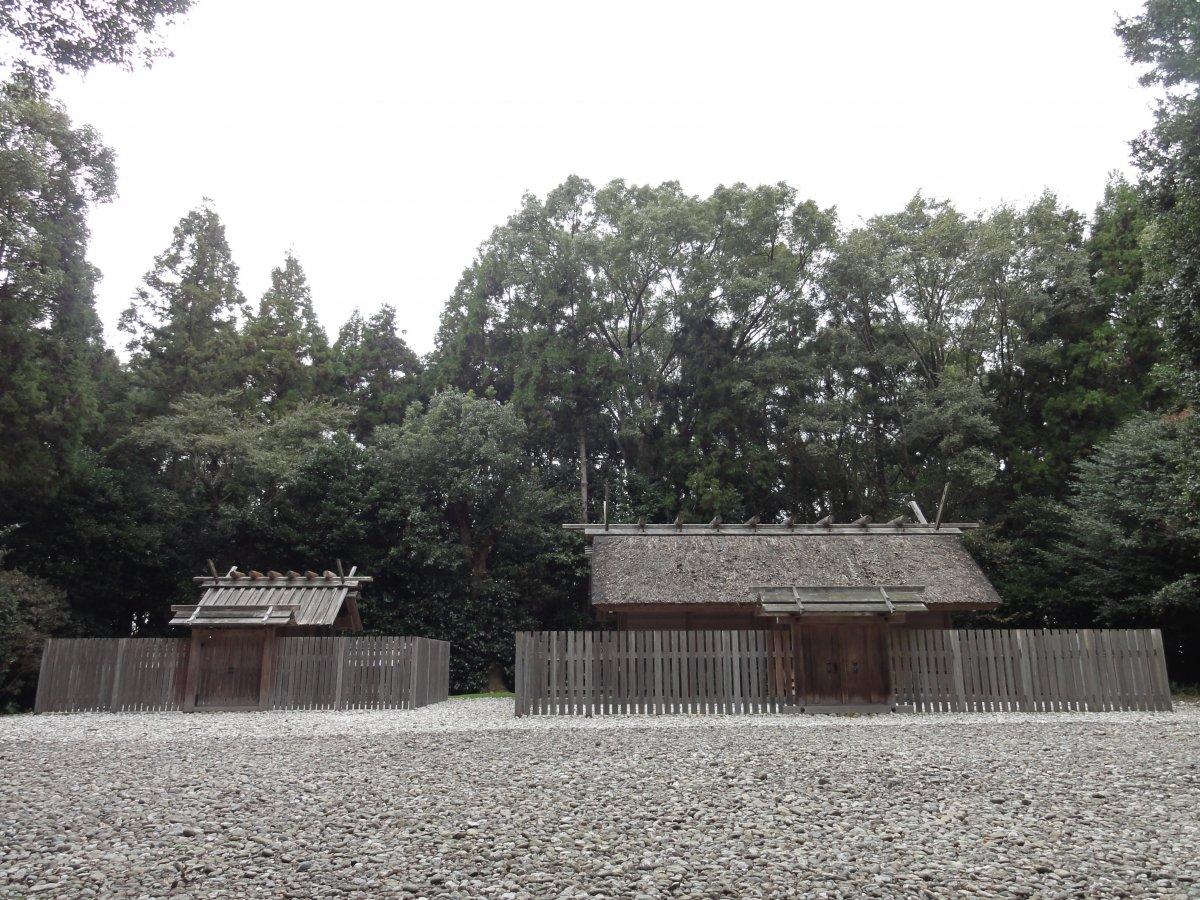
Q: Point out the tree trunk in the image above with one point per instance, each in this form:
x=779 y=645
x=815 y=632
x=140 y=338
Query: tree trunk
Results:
x=583 y=476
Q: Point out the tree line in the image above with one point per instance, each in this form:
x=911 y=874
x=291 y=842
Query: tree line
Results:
x=737 y=354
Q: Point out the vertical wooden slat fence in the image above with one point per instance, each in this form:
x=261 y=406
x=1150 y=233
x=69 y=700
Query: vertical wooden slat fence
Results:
x=654 y=672
x=112 y=674
x=145 y=674
x=742 y=672
x=1033 y=670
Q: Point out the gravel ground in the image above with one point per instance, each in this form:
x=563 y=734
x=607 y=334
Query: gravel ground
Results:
x=460 y=799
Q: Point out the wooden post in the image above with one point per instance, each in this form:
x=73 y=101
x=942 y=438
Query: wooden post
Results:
x=338 y=699
x=519 y=689
x=266 y=669
x=193 y=672
x=583 y=474
x=941 y=508
x=114 y=701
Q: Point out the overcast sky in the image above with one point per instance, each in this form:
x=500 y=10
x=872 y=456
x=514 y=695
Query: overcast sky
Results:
x=382 y=141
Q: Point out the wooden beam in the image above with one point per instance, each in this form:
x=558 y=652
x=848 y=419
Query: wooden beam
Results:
x=937 y=526
x=669 y=528
x=212 y=568
x=920 y=516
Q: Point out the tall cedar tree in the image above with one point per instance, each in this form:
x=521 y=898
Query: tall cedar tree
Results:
x=1167 y=38
x=286 y=352
x=184 y=319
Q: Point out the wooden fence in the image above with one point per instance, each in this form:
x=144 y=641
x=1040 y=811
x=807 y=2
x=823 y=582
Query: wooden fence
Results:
x=1032 y=670
x=605 y=672
x=359 y=672
x=142 y=674
x=598 y=672
x=114 y=674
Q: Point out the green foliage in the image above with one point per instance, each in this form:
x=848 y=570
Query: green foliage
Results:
x=184 y=320
x=285 y=351
x=457 y=487
x=736 y=354
x=1165 y=38
x=30 y=611
x=50 y=341
x=1133 y=532
x=79 y=34
x=375 y=370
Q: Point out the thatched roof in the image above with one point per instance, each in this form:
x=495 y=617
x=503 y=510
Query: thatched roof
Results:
x=691 y=567
x=291 y=599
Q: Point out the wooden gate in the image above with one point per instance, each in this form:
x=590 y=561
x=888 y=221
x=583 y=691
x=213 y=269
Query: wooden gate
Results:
x=842 y=664
x=229 y=669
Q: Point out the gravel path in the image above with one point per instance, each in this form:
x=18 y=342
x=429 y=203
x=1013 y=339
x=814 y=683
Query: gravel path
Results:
x=460 y=799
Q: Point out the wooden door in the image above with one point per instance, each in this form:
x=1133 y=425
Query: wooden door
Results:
x=864 y=664
x=841 y=664
x=818 y=676
x=229 y=673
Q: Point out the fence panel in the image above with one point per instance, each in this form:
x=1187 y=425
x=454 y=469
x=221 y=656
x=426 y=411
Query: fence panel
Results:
x=1029 y=669
x=111 y=674
x=652 y=672
x=746 y=672
x=148 y=674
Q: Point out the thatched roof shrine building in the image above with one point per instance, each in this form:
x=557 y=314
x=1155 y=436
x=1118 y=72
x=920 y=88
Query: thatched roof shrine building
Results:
x=839 y=588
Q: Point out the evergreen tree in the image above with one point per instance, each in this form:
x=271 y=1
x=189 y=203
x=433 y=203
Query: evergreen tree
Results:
x=184 y=318
x=51 y=347
x=1167 y=37
x=1132 y=524
x=375 y=370
x=286 y=353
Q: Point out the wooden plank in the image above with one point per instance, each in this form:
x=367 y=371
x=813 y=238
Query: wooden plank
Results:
x=959 y=693
x=1137 y=671
x=520 y=676
x=1159 y=661
x=43 y=696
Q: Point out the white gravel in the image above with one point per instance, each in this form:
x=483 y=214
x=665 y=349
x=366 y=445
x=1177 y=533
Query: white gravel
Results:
x=461 y=799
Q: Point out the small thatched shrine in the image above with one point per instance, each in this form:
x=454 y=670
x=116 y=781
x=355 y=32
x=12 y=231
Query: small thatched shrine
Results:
x=235 y=623
x=838 y=587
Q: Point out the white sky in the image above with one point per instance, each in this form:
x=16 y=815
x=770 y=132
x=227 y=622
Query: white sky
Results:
x=382 y=141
